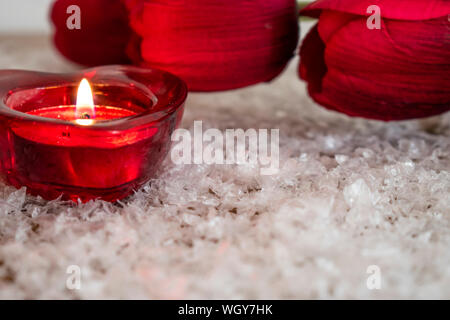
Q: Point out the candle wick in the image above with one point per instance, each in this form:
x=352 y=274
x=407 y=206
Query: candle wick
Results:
x=85 y=116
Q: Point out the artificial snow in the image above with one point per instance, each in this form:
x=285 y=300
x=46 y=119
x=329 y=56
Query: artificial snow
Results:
x=350 y=194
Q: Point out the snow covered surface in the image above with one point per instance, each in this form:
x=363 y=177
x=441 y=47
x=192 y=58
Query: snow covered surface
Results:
x=350 y=193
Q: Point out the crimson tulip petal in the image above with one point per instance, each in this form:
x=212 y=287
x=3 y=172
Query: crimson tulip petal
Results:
x=332 y=21
x=104 y=33
x=399 y=72
x=400 y=47
x=312 y=57
x=391 y=9
x=360 y=97
x=406 y=60
x=216 y=45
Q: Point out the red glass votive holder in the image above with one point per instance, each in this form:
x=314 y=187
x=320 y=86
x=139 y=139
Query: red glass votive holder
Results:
x=45 y=150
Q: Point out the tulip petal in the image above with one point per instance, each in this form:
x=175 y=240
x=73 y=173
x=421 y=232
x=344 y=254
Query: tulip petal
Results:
x=332 y=21
x=312 y=58
x=102 y=39
x=399 y=72
x=392 y=9
x=216 y=45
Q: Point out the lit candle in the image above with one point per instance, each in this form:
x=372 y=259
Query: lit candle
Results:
x=60 y=139
x=84 y=113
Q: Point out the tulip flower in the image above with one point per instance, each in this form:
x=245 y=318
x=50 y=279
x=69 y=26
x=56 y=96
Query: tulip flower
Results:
x=103 y=34
x=216 y=45
x=400 y=71
x=212 y=45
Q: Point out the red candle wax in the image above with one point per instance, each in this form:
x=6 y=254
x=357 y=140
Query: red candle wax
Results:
x=68 y=113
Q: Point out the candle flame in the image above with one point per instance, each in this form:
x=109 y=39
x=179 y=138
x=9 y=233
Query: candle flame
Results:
x=85 y=110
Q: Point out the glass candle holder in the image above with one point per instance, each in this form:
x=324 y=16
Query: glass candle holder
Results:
x=44 y=148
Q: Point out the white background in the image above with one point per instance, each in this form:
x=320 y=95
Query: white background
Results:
x=24 y=16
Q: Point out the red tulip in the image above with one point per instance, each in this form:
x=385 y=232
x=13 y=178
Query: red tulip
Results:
x=215 y=45
x=401 y=71
x=103 y=36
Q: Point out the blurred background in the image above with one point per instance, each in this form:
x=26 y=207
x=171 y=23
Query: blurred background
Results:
x=24 y=16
